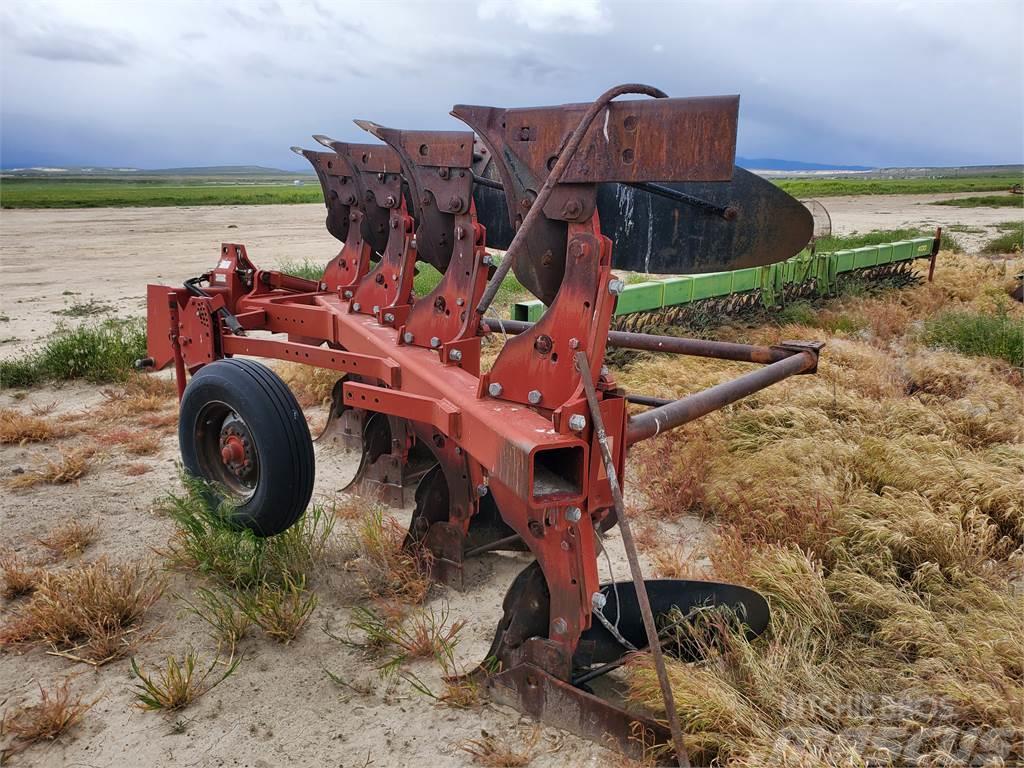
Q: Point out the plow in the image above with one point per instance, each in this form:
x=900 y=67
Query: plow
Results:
x=528 y=455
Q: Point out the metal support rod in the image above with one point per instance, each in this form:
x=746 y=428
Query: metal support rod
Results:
x=564 y=158
x=721 y=350
x=634 y=561
x=935 y=253
x=492 y=545
x=650 y=423
x=727 y=212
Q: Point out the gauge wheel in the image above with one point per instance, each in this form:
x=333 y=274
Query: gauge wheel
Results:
x=243 y=433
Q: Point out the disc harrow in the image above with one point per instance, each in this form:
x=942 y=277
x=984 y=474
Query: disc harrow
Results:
x=528 y=455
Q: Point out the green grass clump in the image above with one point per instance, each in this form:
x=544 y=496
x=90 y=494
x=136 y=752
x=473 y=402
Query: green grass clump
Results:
x=982 y=334
x=985 y=201
x=59 y=193
x=100 y=353
x=803 y=188
x=310 y=270
x=835 y=243
x=1011 y=241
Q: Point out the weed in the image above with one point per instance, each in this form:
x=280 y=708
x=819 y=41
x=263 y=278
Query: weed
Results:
x=87 y=613
x=501 y=752
x=69 y=539
x=310 y=270
x=1012 y=241
x=55 y=714
x=205 y=540
x=70 y=467
x=219 y=610
x=134 y=442
x=387 y=569
x=178 y=684
x=137 y=468
x=991 y=334
x=424 y=634
x=19 y=428
x=99 y=353
x=43 y=409
x=984 y=201
x=310 y=385
x=88 y=308
x=20 y=577
x=280 y=610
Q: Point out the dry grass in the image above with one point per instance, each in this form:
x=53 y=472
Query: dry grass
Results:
x=879 y=507
x=55 y=714
x=136 y=468
x=90 y=613
x=70 y=467
x=311 y=386
x=18 y=428
x=496 y=751
x=386 y=569
x=69 y=539
x=20 y=577
x=280 y=610
x=423 y=634
x=132 y=441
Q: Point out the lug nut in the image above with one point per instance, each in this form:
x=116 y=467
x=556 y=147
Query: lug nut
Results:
x=577 y=422
x=573 y=514
x=615 y=287
x=407 y=337
x=434 y=342
x=455 y=355
x=494 y=389
x=534 y=396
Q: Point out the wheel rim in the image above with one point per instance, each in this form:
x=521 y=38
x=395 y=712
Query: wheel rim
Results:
x=226 y=450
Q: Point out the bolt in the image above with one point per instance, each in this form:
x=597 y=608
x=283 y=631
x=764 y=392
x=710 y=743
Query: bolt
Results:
x=598 y=600
x=425 y=200
x=356 y=307
x=559 y=627
x=407 y=337
x=573 y=514
x=460 y=301
x=494 y=389
x=347 y=294
x=460 y=232
x=455 y=355
x=525 y=203
x=489 y=260
x=389 y=201
x=482 y=490
x=577 y=422
x=434 y=342
x=376 y=309
x=323 y=286
x=455 y=203
x=534 y=396
x=604 y=370
x=394 y=223
x=352 y=217
x=615 y=287
x=442 y=172
x=574 y=343
x=572 y=208
x=389 y=317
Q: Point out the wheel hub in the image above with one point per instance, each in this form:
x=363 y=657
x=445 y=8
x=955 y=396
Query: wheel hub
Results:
x=236 y=450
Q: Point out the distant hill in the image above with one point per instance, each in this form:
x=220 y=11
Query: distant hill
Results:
x=774 y=164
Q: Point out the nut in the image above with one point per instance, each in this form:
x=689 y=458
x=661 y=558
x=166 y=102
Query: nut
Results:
x=347 y=294
x=434 y=342
x=559 y=627
x=389 y=317
x=573 y=514
x=455 y=355
x=598 y=600
x=407 y=337
x=615 y=287
x=494 y=389
x=356 y=307
x=577 y=422
x=482 y=490
x=534 y=396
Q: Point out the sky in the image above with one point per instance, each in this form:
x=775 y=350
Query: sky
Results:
x=170 y=83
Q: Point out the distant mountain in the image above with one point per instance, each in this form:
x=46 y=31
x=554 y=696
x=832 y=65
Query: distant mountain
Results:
x=774 y=164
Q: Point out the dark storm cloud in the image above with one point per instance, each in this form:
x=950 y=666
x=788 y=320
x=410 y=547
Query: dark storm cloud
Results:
x=238 y=81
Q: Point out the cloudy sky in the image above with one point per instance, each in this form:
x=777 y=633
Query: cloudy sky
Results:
x=173 y=83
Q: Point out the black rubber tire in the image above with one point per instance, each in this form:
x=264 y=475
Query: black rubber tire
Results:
x=279 y=432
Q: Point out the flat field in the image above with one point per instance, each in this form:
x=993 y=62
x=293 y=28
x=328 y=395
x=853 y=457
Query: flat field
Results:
x=878 y=505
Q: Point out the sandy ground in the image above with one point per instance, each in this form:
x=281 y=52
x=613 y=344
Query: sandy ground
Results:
x=280 y=708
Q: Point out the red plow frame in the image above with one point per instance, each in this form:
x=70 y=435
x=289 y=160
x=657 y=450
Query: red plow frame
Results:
x=518 y=461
